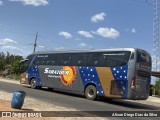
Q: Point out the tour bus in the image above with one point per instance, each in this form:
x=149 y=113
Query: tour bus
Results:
x=122 y=73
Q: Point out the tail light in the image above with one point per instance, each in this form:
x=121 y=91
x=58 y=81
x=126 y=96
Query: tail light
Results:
x=133 y=83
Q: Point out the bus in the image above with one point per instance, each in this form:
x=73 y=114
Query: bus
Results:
x=122 y=73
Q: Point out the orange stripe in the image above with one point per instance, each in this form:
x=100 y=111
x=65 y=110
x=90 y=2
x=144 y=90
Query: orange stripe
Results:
x=105 y=76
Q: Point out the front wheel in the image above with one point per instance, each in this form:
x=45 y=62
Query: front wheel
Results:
x=91 y=92
x=33 y=83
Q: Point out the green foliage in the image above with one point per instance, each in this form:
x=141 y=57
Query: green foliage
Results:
x=9 y=64
x=15 y=67
x=2 y=65
x=156 y=87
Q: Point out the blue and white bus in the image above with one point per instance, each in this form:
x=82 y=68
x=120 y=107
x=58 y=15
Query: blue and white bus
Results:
x=112 y=73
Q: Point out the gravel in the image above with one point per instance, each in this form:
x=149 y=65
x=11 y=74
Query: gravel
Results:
x=37 y=105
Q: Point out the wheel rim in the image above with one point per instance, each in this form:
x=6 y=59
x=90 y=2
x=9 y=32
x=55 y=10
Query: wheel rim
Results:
x=33 y=83
x=91 y=93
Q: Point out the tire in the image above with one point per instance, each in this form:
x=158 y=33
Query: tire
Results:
x=33 y=83
x=108 y=99
x=91 y=92
x=50 y=89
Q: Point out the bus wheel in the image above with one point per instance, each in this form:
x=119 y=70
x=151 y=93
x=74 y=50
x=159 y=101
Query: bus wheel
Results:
x=91 y=92
x=33 y=83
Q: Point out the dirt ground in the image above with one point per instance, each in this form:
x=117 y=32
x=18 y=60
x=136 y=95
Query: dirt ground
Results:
x=6 y=106
x=32 y=104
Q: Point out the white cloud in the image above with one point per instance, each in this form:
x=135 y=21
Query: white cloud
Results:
x=60 y=48
x=98 y=17
x=107 y=32
x=32 y=2
x=7 y=41
x=133 y=30
x=82 y=45
x=85 y=34
x=11 y=48
x=1 y=3
x=40 y=46
x=66 y=35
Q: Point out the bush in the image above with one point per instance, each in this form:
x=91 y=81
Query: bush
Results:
x=157 y=87
x=9 y=64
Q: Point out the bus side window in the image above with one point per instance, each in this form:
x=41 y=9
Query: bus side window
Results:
x=53 y=62
x=65 y=59
x=81 y=59
x=43 y=62
x=48 y=62
x=37 y=61
x=94 y=59
x=79 y=62
x=111 y=59
x=132 y=56
x=55 y=59
x=48 y=59
x=104 y=60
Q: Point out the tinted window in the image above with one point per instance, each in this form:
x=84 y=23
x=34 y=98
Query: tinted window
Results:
x=65 y=59
x=94 y=59
x=142 y=56
x=118 y=58
x=53 y=59
x=107 y=59
x=24 y=65
x=80 y=59
x=29 y=59
x=41 y=60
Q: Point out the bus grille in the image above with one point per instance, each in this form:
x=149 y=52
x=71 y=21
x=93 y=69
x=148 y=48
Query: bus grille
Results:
x=143 y=74
x=142 y=81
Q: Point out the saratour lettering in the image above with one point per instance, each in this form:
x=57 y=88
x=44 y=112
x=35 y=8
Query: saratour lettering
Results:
x=56 y=72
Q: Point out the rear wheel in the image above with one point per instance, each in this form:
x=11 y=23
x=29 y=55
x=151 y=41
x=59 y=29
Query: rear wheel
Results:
x=33 y=83
x=91 y=92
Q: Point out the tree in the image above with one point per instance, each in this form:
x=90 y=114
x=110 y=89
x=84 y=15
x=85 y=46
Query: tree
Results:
x=9 y=64
x=15 y=67
x=157 y=87
x=2 y=65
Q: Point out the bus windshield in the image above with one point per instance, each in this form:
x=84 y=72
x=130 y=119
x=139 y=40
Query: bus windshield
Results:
x=24 y=64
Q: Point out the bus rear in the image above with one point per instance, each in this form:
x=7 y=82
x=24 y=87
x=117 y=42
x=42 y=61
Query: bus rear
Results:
x=141 y=77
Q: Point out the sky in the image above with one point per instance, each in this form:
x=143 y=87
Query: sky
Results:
x=75 y=24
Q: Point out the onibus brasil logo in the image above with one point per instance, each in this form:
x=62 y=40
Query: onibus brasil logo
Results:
x=67 y=74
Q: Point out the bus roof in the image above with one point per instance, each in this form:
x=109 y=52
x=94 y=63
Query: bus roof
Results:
x=84 y=50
